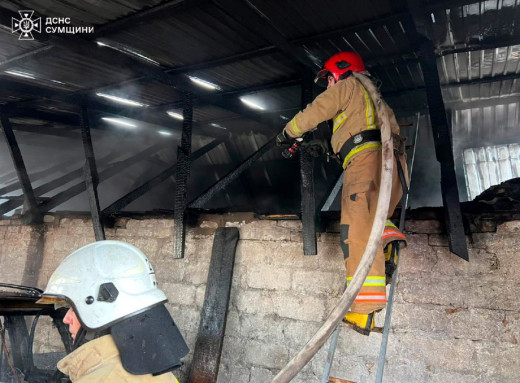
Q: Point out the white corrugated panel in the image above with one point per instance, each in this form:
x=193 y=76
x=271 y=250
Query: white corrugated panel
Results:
x=490 y=165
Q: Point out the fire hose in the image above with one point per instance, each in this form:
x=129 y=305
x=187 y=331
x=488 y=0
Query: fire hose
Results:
x=374 y=241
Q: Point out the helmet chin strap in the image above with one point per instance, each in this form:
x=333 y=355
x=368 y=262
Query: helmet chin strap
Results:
x=79 y=340
x=345 y=75
x=83 y=336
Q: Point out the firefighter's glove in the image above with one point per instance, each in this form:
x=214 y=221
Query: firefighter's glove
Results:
x=283 y=141
x=317 y=147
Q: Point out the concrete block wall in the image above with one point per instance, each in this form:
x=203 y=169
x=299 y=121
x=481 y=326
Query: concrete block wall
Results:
x=452 y=321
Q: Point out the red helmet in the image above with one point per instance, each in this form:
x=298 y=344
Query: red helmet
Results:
x=339 y=65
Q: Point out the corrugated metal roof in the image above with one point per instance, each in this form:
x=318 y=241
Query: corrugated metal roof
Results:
x=243 y=74
x=190 y=36
x=83 y=13
x=475 y=22
x=476 y=128
x=184 y=39
x=308 y=17
x=64 y=66
x=491 y=165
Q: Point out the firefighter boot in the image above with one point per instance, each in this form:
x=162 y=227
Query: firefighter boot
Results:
x=393 y=239
x=391 y=254
x=362 y=323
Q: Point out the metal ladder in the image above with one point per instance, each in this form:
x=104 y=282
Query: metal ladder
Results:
x=326 y=378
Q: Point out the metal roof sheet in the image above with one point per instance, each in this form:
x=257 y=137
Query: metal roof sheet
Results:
x=201 y=39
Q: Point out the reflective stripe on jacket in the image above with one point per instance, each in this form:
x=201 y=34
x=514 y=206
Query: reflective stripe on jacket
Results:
x=349 y=106
x=99 y=361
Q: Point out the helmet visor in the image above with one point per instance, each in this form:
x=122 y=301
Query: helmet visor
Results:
x=52 y=300
x=321 y=78
x=48 y=300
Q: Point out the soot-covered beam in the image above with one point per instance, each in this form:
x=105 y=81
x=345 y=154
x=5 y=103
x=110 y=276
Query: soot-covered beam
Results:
x=182 y=175
x=308 y=205
x=19 y=343
x=111 y=171
x=33 y=214
x=51 y=185
x=212 y=326
x=66 y=178
x=34 y=177
x=91 y=176
x=149 y=185
x=90 y=49
x=416 y=28
x=202 y=199
x=20 y=108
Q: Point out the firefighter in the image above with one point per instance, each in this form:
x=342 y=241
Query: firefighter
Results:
x=121 y=329
x=356 y=142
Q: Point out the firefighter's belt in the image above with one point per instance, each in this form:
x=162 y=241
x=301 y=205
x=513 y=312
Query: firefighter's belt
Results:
x=367 y=139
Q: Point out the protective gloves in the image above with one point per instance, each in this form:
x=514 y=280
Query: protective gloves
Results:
x=317 y=147
x=283 y=141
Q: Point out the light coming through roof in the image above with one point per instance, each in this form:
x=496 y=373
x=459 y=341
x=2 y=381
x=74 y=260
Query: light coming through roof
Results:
x=204 y=83
x=119 y=121
x=127 y=50
x=252 y=104
x=175 y=115
x=121 y=100
x=20 y=74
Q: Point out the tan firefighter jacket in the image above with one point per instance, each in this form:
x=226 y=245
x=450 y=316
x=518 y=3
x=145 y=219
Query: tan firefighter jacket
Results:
x=99 y=361
x=351 y=109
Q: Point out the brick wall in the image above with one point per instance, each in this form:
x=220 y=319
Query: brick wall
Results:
x=453 y=321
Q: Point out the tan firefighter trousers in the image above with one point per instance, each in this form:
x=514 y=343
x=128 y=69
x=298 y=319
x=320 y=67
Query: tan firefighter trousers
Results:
x=361 y=186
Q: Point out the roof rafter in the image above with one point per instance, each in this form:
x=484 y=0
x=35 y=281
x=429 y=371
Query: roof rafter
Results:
x=90 y=49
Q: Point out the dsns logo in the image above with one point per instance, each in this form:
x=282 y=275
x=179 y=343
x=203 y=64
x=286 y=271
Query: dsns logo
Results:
x=26 y=25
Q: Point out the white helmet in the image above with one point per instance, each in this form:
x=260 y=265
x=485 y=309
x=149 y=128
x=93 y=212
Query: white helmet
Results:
x=104 y=282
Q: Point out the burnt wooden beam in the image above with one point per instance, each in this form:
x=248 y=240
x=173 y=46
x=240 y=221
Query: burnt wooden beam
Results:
x=11 y=204
x=113 y=57
x=308 y=204
x=61 y=197
x=158 y=179
x=416 y=28
x=45 y=131
x=212 y=327
x=34 y=176
x=32 y=215
x=480 y=45
x=208 y=99
x=66 y=178
x=114 y=169
x=38 y=114
x=20 y=108
x=202 y=199
x=483 y=80
x=182 y=175
x=45 y=188
x=91 y=176
x=19 y=343
x=484 y=102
